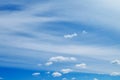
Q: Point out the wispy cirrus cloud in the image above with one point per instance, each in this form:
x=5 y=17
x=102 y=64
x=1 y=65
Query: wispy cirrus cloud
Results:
x=62 y=59
x=36 y=74
x=32 y=29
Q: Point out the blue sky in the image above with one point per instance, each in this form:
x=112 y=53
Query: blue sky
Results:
x=61 y=37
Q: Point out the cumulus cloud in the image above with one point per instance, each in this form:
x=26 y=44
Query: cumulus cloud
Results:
x=48 y=63
x=95 y=79
x=81 y=65
x=70 y=35
x=65 y=71
x=56 y=74
x=36 y=74
x=116 y=61
x=86 y=50
x=115 y=74
x=62 y=59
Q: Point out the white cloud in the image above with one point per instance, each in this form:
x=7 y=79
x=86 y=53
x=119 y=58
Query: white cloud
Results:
x=95 y=79
x=48 y=63
x=65 y=71
x=73 y=78
x=70 y=35
x=36 y=74
x=91 y=51
x=84 y=32
x=86 y=50
x=93 y=14
x=82 y=65
x=48 y=72
x=62 y=59
x=116 y=61
x=56 y=74
x=115 y=74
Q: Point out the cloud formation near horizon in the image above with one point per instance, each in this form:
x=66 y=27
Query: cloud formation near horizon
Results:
x=62 y=59
x=36 y=74
x=65 y=33
x=56 y=74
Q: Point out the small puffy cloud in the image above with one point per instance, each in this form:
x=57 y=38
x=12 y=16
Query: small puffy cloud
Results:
x=65 y=71
x=84 y=32
x=62 y=59
x=48 y=72
x=36 y=74
x=115 y=74
x=56 y=74
x=48 y=63
x=64 y=79
x=116 y=61
x=82 y=65
x=1 y=78
x=70 y=35
x=95 y=79
x=73 y=78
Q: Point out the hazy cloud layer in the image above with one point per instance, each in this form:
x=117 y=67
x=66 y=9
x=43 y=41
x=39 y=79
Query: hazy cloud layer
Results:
x=78 y=35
